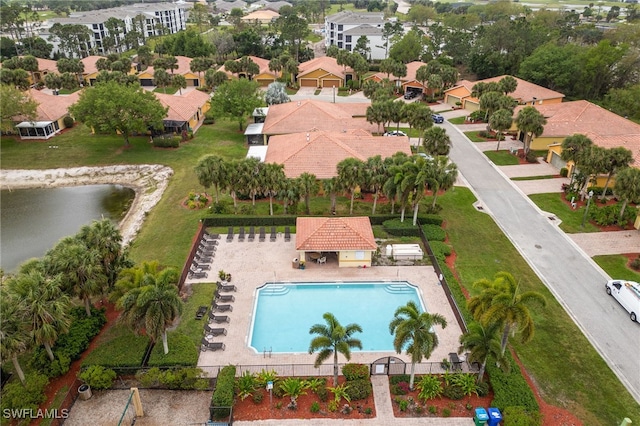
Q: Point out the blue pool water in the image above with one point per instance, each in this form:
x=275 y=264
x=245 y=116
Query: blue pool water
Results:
x=283 y=312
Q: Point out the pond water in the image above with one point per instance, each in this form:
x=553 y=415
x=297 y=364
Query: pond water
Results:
x=32 y=221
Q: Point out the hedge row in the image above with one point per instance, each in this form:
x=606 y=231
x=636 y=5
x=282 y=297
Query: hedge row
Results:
x=180 y=378
x=222 y=399
x=235 y=220
x=511 y=389
x=162 y=142
x=355 y=371
x=69 y=346
x=401 y=229
x=434 y=232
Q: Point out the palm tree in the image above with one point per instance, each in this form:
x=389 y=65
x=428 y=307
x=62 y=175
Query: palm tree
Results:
x=417 y=113
x=531 y=122
x=81 y=269
x=249 y=177
x=501 y=121
x=375 y=176
x=508 y=84
x=275 y=65
x=627 y=187
x=573 y=148
x=212 y=170
x=308 y=186
x=152 y=307
x=289 y=193
x=443 y=175
x=179 y=81
x=414 y=330
x=436 y=141
x=331 y=188
x=482 y=343
x=46 y=306
x=350 y=176
x=14 y=336
x=162 y=78
x=272 y=178
x=500 y=301
x=332 y=339
x=134 y=277
x=614 y=159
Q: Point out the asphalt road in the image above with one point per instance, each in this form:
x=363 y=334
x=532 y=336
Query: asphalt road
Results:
x=576 y=281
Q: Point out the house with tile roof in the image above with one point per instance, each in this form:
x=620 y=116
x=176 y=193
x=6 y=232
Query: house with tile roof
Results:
x=45 y=66
x=320 y=152
x=186 y=112
x=408 y=82
x=323 y=72
x=224 y=7
x=50 y=114
x=261 y=16
x=526 y=94
x=273 y=5
x=184 y=68
x=90 y=73
x=264 y=77
x=349 y=239
x=310 y=115
x=603 y=127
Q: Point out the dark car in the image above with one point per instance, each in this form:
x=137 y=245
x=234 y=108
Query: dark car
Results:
x=437 y=118
x=410 y=94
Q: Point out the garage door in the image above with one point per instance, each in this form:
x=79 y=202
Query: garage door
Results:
x=308 y=82
x=330 y=83
x=264 y=82
x=557 y=161
x=146 y=82
x=452 y=100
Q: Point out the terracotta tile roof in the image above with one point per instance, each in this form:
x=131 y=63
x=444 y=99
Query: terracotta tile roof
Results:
x=326 y=63
x=263 y=65
x=603 y=127
x=261 y=15
x=334 y=234
x=527 y=92
x=90 y=64
x=322 y=152
x=183 y=108
x=184 y=66
x=412 y=68
x=50 y=107
x=309 y=115
x=47 y=65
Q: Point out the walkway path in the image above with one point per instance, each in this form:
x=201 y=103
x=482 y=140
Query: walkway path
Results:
x=570 y=274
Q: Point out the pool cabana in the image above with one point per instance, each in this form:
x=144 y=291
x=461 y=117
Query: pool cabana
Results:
x=350 y=238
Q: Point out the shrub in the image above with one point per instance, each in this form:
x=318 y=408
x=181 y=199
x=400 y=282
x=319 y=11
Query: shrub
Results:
x=466 y=382
x=332 y=406
x=433 y=409
x=430 y=387
x=16 y=396
x=246 y=384
x=400 y=229
x=446 y=412
x=401 y=388
x=368 y=411
x=440 y=250
x=359 y=389
x=518 y=416
x=564 y=172
x=315 y=407
x=483 y=389
x=222 y=398
x=149 y=378
x=258 y=397
x=511 y=389
x=531 y=157
x=323 y=393
x=453 y=392
x=184 y=378
x=403 y=404
x=315 y=383
x=394 y=380
x=433 y=233
x=264 y=376
x=98 y=377
x=68 y=122
x=355 y=371
x=477 y=115
x=166 y=142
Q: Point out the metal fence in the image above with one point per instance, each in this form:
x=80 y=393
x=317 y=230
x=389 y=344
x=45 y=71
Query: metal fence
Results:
x=192 y=253
x=67 y=403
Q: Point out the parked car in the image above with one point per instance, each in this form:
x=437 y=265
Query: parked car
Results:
x=410 y=94
x=627 y=293
x=395 y=133
x=437 y=118
x=425 y=156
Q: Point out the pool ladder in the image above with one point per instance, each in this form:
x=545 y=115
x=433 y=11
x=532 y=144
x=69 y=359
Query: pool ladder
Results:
x=266 y=352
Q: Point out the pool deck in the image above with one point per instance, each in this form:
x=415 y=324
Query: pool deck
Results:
x=255 y=263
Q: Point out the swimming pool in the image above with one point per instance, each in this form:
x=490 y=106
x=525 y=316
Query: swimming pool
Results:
x=283 y=313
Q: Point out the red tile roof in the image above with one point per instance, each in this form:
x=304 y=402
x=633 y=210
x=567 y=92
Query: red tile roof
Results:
x=525 y=91
x=310 y=115
x=412 y=68
x=326 y=63
x=263 y=65
x=183 y=108
x=322 y=152
x=603 y=127
x=334 y=234
x=51 y=107
x=90 y=64
x=184 y=66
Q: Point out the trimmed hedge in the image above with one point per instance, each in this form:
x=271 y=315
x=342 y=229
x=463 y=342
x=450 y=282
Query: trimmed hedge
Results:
x=511 y=389
x=440 y=251
x=401 y=229
x=182 y=352
x=355 y=371
x=434 y=233
x=222 y=398
x=162 y=142
x=235 y=220
x=359 y=389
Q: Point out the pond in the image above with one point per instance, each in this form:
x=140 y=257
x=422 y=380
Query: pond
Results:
x=32 y=221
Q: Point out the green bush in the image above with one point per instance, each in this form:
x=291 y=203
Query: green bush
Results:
x=355 y=371
x=446 y=412
x=394 y=380
x=149 y=378
x=564 y=172
x=440 y=251
x=315 y=407
x=98 y=377
x=323 y=393
x=483 y=389
x=401 y=229
x=453 y=392
x=166 y=142
x=68 y=122
x=430 y=387
x=180 y=378
x=518 y=416
x=222 y=398
x=477 y=115
x=403 y=404
x=28 y=397
x=610 y=215
x=434 y=233
x=359 y=389
x=511 y=389
x=258 y=396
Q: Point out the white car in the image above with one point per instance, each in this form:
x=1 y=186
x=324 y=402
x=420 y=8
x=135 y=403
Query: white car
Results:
x=395 y=133
x=627 y=293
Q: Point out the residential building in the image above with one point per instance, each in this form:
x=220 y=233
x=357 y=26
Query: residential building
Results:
x=155 y=18
x=50 y=115
x=224 y=7
x=264 y=77
x=323 y=72
x=272 y=5
x=407 y=82
x=184 y=68
x=261 y=16
x=320 y=152
x=526 y=94
x=186 y=111
x=343 y=30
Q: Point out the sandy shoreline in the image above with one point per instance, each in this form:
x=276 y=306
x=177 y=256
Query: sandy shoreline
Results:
x=147 y=180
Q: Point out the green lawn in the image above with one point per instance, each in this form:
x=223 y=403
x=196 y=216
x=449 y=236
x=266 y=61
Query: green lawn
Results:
x=571 y=375
x=456 y=120
x=166 y=90
x=502 y=158
x=118 y=347
x=571 y=219
x=616 y=267
x=473 y=136
x=534 y=177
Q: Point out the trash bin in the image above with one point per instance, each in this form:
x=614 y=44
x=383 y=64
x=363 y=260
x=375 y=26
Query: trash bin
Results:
x=295 y=264
x=481 y=417
x=495 y=417
x=84 y=392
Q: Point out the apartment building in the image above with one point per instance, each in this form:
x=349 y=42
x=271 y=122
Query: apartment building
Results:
x=343 y=29
x=154 y=18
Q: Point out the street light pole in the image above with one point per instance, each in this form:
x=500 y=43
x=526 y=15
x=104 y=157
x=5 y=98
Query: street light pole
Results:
x=334 y=94
x=586 y=211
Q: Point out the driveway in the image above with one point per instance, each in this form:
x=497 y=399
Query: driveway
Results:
x=571 y=275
